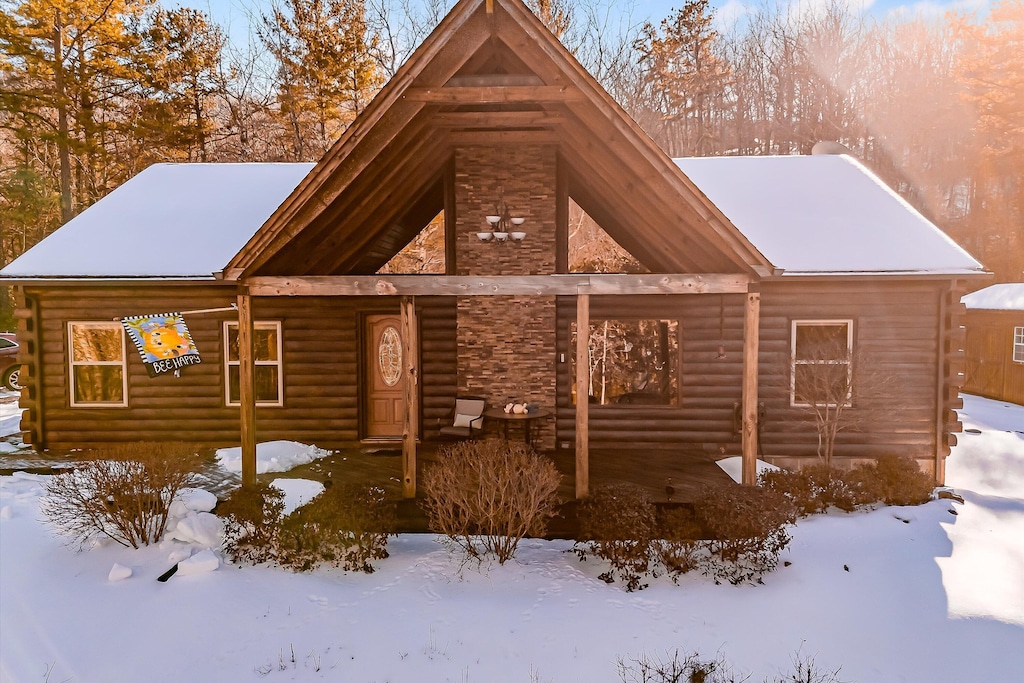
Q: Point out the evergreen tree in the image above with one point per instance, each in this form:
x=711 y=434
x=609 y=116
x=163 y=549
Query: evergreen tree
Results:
x=325 y=71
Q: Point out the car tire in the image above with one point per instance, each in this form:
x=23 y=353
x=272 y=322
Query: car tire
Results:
x=11 y=378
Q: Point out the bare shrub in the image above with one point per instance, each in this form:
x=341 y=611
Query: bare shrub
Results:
x=813 y=489
x=486 y=496
x=123 y=494
x=617 y=524
x=676 y=668
x=678 y=548
x=892 y=479
x=252 y=521
x=748 y=531
x=346 y=526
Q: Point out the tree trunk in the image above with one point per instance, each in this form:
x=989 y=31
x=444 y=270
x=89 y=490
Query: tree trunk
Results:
x=63 y=135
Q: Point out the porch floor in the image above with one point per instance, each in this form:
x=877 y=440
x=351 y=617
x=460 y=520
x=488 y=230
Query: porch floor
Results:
x=688 y=472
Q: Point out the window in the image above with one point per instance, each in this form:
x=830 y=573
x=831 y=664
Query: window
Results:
x=633 y=362
x=7 y=344
x=98 y=374
x=822 y=353
x=267 y=347
x=1018 y=345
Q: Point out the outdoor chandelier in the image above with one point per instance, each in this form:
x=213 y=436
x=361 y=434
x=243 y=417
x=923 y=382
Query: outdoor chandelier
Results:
x=502 y=225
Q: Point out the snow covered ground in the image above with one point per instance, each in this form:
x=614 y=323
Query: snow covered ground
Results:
x=925 y=595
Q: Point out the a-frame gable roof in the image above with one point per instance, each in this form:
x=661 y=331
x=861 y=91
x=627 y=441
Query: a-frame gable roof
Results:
x=490 y=68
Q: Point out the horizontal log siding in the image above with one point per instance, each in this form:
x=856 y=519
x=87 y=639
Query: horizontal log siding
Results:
x=320 y=353
x=895 y=326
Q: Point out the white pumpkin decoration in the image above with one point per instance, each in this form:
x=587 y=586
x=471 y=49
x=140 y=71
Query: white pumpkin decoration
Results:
x=519 y=408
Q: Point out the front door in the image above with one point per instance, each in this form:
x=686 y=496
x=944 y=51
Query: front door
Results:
x=384 y=376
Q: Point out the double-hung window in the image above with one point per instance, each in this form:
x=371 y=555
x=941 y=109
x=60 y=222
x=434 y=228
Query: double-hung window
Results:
x=1018 y=345
x=98 y=370
x=822 y=351
x=267 y=359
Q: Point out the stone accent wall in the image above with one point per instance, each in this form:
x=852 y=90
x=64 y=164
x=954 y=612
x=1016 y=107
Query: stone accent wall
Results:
x=525 y=176
x=506 y=344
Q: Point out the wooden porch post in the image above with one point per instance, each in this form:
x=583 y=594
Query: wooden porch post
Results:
x=247 y=389
x=410 y=419
x=751 y=323
x=582 y=395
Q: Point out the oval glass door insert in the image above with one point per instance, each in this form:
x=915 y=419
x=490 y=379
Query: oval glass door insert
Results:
x=389 y=356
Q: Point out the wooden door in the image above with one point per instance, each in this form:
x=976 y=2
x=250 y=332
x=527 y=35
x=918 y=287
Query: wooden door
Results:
x=385 y=378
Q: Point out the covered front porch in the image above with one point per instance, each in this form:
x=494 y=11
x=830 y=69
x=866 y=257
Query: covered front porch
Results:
x=577 y=288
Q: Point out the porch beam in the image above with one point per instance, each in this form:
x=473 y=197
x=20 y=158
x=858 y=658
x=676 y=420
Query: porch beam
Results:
x=411 y=404
x=582 y=395
x=751 y=334
x=496 y=119
x=497 y=285
x=516 y=94
x=247 y=389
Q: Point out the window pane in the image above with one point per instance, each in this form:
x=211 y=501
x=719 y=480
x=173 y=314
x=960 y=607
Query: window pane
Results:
x=821 y=342
x=266 y=384
x=95 y=343
x=6 y=343
x=233 y=342
x=264 y=343
x=822 y=383
x=633 y=362
x=99 y=384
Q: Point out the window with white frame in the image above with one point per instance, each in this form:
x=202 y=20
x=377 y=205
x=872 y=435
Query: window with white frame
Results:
x=267 y=359
x=97 y=370
x=822 y=351
x=1018 y=345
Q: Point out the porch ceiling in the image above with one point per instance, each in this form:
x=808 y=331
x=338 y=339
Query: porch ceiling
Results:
x=480 y=79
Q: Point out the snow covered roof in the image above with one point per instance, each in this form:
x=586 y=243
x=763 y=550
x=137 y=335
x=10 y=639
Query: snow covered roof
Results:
x=169 y=221
x=806 y=214
x=1008 y=296
x=825 y=214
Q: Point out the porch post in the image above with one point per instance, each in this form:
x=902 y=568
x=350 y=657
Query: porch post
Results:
x=751 y=323
x=582 y=395
x=247 y=389
x=411 y=410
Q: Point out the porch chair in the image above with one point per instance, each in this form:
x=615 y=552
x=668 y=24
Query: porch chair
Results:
x=468 y=421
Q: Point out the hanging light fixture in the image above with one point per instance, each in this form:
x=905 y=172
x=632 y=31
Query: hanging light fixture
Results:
x=503 y=225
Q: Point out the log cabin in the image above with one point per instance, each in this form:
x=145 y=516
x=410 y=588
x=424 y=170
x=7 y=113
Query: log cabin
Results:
x=495 y=130
x=995 y=342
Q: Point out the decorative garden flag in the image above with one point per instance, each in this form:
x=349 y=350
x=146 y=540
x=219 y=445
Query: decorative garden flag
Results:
x=163 y=341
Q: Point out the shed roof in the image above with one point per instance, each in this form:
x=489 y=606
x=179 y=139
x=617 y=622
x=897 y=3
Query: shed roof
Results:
x=1008 y=296
x=169 y=221
x=825 y=214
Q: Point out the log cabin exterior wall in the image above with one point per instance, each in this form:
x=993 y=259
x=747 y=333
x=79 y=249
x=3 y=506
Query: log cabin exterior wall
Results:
x=321 y=372
x=895 y=328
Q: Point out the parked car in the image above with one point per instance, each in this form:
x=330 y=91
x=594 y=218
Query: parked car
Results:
x=10 y=368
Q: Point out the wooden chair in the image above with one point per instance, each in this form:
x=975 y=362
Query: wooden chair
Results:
x=468 y=419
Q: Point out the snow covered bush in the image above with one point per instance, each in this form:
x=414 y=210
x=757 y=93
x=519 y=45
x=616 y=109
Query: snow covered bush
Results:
x=892 y=479
x=486 y=496
x=346 y=526
x=747 y=531
x=123 y=494
x=617 y=524
x=677 y=668
x=252 y=521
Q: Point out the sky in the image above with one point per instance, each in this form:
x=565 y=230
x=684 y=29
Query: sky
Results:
x=232 y=14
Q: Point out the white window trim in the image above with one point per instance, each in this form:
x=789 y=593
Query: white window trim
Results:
x=793 y=362
x=72 y=364
x=257 y=325
x=1018 y=344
